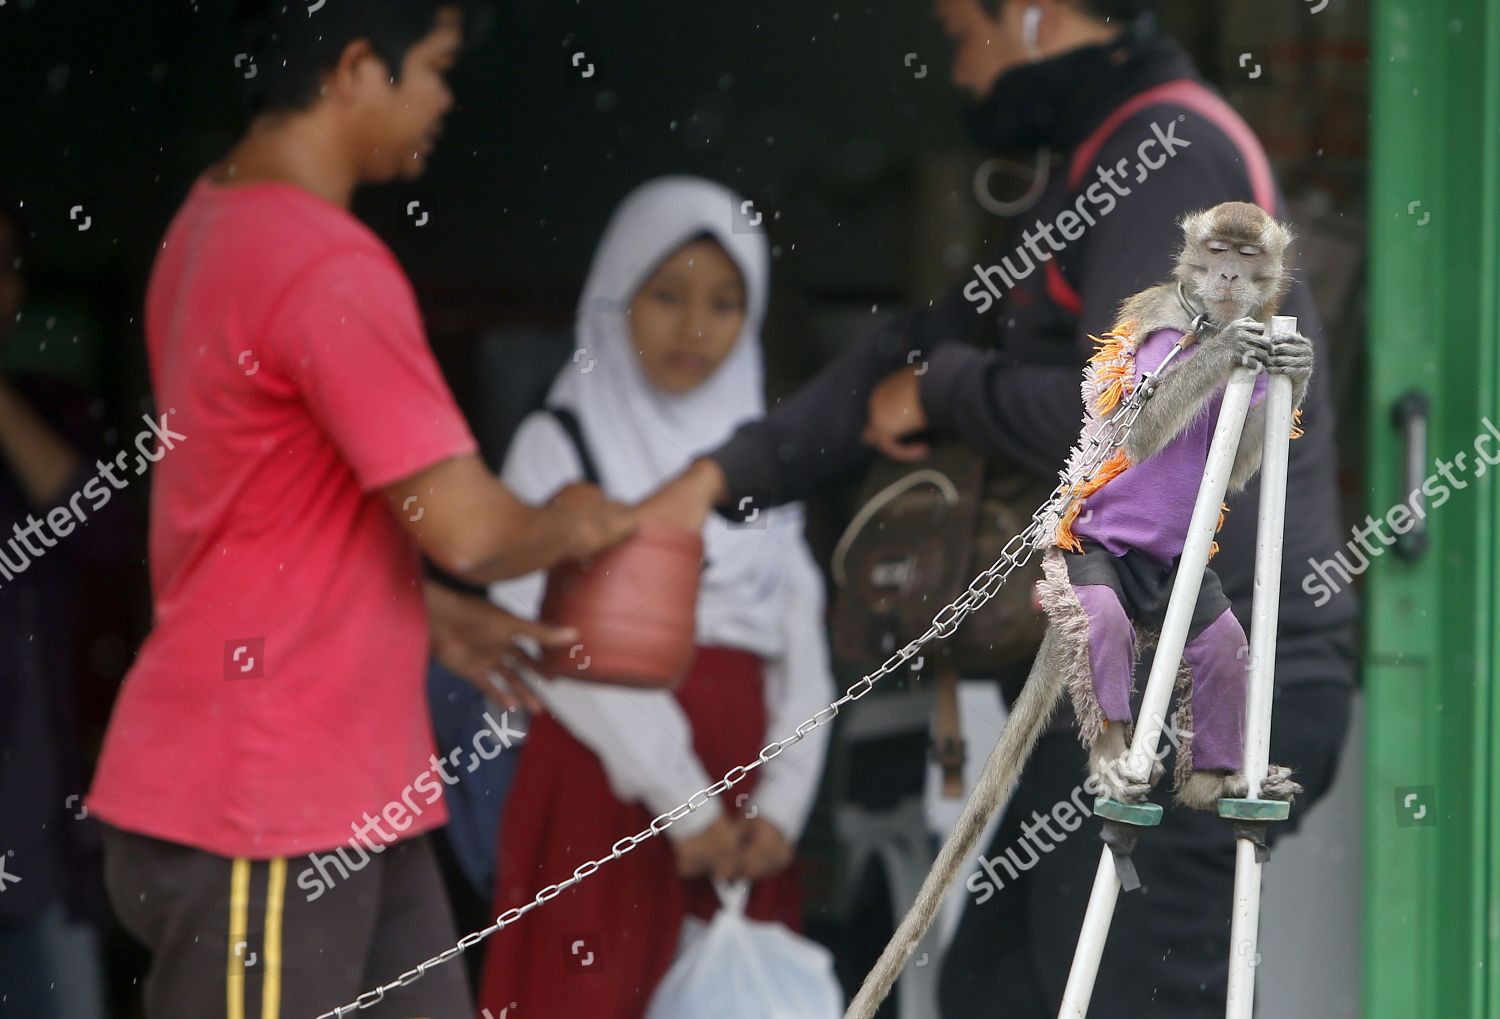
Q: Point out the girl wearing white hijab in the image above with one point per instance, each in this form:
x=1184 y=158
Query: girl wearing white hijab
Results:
x=668 y=364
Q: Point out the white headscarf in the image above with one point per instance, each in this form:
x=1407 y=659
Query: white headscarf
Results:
x=641 y=436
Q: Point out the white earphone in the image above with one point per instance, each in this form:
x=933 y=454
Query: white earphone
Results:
x=1031 y=25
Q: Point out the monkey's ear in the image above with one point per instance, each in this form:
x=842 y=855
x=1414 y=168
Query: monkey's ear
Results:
x=1288 y=236
x=1194 y=226
x=1277 y=238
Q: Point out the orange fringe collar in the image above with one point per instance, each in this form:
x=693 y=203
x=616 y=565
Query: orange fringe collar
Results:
x=1110 y=378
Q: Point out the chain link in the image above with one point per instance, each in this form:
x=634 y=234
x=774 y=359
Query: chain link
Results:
x=1101 y=446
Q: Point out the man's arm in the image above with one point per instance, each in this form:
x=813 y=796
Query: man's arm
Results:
x=50 y=444
x=812 y=436
x=1029 y=413
x=815 y=436
x=470 y=524
x=43 y=461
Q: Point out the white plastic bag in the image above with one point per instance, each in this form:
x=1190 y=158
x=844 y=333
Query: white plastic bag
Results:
x=736 y=968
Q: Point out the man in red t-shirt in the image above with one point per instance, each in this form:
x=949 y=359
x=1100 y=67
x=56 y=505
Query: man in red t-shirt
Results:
x=274 y=728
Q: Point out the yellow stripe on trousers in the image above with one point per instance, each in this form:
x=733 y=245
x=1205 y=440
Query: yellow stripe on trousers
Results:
x=239 y=910
x=270 y=1002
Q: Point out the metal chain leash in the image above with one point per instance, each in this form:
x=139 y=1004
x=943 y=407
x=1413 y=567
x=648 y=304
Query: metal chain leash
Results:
x=1017 y=552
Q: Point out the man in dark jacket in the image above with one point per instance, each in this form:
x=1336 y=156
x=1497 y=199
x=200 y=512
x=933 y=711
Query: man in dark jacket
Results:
x=1134 y=141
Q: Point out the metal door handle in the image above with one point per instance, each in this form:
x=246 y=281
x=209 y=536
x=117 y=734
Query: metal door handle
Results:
x=1411 y=415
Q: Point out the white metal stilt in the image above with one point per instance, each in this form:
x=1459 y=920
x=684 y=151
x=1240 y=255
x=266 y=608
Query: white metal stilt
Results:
x=1152 y=719
x=1244 y=954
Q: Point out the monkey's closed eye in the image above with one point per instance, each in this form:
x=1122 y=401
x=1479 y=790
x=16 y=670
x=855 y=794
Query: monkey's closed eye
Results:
x=1250 y=250
x=1217 y=247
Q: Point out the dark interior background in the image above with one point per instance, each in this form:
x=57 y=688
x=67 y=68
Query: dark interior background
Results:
x=853 y=152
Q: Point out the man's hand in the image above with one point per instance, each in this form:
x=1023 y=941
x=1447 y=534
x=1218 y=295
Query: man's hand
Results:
x=476 y=640
x=687 y=499
x=764 y=851
x=895 y=411
x=712 y=852
x=597 y=522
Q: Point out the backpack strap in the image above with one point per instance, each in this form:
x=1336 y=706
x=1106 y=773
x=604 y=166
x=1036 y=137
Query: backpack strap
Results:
x=1189 y=94
x=570 y=424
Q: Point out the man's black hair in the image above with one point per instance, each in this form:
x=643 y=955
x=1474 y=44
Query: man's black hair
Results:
x=1120 y=11
x=293 y=43
x=1116 y=12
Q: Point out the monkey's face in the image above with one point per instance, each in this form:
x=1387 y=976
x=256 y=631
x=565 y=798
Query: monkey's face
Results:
x=1233 y=260
x=1234 y=281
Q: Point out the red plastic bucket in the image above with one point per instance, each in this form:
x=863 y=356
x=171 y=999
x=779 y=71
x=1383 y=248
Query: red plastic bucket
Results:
x=633 y=607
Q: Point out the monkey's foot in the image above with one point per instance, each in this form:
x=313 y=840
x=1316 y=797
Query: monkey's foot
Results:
x=1204 y=789
x=1118 y=776
x=1278 y=784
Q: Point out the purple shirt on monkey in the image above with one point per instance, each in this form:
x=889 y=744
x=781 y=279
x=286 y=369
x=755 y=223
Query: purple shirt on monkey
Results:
x=1149 y=506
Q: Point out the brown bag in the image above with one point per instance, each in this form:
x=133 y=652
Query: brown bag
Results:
x=922 y=532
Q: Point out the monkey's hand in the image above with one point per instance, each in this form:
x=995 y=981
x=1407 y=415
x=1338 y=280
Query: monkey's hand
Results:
x=1247 y=337
x=1279 y=784
x=1293 y=356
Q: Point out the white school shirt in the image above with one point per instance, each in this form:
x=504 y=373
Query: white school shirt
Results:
x=642 y=737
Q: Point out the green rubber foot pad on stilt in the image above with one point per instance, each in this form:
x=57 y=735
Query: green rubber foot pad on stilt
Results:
x=1255 y=810
x=1143 y=815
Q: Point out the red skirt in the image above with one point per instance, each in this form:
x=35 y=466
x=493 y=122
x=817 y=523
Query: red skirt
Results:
x=599 y=949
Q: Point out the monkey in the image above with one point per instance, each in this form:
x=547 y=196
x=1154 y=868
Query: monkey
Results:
x=1111 y=573
x=1109 y=553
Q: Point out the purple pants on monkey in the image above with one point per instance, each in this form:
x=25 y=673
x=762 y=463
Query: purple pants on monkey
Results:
x=1100 y=601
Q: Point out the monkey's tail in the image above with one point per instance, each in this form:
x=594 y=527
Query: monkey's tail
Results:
x=1032 y=711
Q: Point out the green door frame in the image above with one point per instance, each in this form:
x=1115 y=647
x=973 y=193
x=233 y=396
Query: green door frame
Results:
x=1432 y=916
